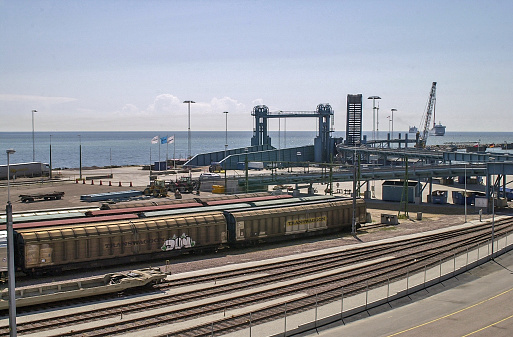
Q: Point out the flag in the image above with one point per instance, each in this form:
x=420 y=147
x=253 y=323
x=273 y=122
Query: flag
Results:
x=171 y=139
x=163 y=140
x=155 y=140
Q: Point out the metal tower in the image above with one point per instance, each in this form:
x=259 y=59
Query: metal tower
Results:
x=354 y=120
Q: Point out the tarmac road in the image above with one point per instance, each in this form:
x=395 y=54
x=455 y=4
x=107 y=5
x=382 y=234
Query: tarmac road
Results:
x=477 y=303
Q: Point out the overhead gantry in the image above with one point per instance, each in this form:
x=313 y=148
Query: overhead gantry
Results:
x=324 y=144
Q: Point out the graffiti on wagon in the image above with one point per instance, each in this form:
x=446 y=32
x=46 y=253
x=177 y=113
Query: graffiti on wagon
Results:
x=178 y=242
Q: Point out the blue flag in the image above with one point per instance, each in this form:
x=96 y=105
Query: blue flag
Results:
x=163 y=140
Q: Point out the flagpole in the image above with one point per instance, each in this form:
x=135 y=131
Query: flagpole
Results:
x=167 y=149
x=174 y=152
x=160 y=141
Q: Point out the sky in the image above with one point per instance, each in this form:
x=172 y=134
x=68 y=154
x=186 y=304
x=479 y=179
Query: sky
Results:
x=123 y=65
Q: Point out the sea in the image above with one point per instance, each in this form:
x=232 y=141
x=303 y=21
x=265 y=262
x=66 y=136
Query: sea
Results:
x=120 y=148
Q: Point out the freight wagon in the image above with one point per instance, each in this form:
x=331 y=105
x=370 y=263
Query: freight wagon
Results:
x=63 y=247
x=34 y=169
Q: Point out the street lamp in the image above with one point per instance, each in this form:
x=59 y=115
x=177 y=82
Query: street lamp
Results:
x=33 y=141
x=392 y=136
x=10 y=254
x=80 y=155
x=189 y=129
x=389 y=137
x=374 y=98
x=50 y=156
x=226 y=134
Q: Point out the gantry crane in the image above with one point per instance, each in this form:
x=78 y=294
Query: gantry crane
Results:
x=422 y=138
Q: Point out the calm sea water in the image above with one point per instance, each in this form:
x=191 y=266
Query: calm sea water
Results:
x=135 y=148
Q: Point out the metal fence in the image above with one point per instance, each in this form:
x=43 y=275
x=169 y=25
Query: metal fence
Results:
x=335 y=305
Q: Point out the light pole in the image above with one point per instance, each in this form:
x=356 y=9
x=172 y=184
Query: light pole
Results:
x=50 y=156
x=80 y=155
x=392 y=136
x=33 y=141
x=189 y=128
x=353 y=222
x=377 y=121
x=389 y=134
x=10 y=254
x=374 y=98
x=226 y=134
x=465 y=193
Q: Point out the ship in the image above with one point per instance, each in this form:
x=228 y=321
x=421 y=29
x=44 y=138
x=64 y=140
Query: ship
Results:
x=438 y=129
x=413 y=129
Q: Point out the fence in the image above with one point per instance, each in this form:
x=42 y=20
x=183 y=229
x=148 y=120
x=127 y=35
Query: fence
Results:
x=318 y=315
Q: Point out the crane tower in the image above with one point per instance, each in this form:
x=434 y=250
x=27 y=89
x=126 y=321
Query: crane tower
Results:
x=426 y=119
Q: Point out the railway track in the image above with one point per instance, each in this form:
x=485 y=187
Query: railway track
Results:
x=305 y=281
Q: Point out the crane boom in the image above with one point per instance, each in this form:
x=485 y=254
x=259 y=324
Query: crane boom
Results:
x=422 y=139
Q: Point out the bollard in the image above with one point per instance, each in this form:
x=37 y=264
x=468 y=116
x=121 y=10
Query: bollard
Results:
x=83 y=181
x=101 y=183
x=110 y=183
x=120 y=184
x=76 y=181
x=92 y=182
x=130 y=184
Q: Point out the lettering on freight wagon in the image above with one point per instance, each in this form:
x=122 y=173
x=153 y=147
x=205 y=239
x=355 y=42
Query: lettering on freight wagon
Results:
x=307 y=221
x=175 y=242
x=130 y=243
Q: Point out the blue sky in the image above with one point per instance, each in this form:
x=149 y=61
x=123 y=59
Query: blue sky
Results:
x=129 y=65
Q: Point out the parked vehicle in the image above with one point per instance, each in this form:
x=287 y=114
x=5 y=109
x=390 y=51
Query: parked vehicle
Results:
x=34 y=169
x=209 y=176
x=215 y=167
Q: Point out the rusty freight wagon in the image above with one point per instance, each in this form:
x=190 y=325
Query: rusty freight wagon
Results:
x=116 y=242
x=253 y=225
x=123 y=238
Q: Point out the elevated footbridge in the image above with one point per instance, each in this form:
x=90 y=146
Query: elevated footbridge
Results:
x=328 y=174
x=425 y=155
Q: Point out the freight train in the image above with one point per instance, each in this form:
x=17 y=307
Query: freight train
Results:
x=160 y=234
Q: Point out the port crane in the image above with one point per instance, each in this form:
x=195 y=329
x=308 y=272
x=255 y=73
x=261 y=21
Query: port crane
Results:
x=422 y=138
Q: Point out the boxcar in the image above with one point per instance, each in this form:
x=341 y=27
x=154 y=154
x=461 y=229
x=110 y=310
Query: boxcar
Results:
x=109 y=243
x=288 y=221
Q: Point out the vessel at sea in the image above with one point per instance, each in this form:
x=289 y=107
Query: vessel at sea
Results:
x=412 y=129
x=438 y=129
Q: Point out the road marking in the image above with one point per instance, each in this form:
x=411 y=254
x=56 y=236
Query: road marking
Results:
x=454 y=313
x=486 y=327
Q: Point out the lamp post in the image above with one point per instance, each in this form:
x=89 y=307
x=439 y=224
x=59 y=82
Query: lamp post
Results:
x=226 y=133
x=50 y=156
x=392 y=136
x=465 y=193
x=10 y=254
x=374 y=98
x=189 y=128
x=389 y=134
x=33 y=141
x=80 y=155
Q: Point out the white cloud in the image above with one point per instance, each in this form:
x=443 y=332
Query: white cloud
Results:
x=164 y=103
x=226 y=104
x=258 y=101
x=37 y=99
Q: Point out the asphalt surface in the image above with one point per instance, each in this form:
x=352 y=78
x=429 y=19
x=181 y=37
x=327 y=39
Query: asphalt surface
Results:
x=477 y=303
